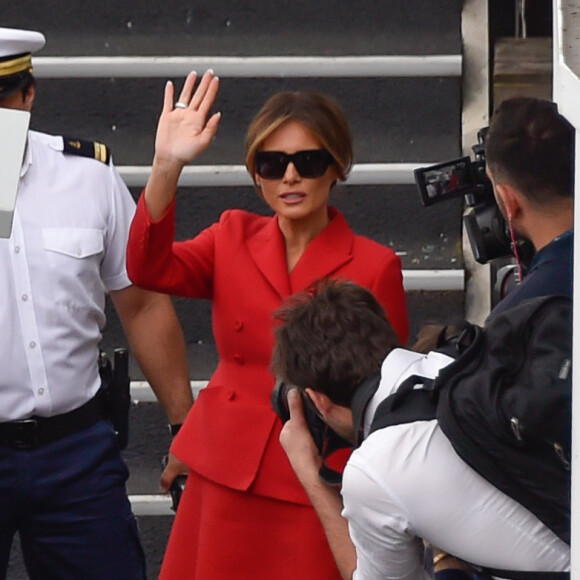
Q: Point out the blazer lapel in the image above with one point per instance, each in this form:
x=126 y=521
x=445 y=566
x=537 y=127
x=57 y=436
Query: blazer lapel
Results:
x=268 y=251
x=325 y=254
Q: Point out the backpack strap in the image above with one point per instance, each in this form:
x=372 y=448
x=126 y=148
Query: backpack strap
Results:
x=463 y=346
x=454 y=339
x=359 y=404
x=407 y=404
x=460 y=342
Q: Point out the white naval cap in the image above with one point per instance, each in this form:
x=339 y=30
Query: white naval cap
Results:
x=15 y=42
x=16 y=49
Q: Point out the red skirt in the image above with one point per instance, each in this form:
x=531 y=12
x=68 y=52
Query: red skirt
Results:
x=224 y=534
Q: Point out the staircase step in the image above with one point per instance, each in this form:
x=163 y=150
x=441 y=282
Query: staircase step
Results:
x=404 y=119
x=174 y=27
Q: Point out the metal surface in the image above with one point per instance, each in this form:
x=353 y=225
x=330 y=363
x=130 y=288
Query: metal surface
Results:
x=475 y=115
x=248 y=67
x=567 y=95
x=151 y=505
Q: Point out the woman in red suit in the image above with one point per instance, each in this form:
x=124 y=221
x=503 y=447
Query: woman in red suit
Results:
x=243 y=513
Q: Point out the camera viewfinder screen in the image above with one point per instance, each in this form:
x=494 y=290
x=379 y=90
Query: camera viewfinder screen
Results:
x=444 y=181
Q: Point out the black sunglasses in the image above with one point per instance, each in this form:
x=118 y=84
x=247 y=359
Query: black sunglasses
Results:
x=309 y=163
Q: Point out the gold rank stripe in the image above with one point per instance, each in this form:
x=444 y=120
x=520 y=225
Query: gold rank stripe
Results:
x=100 y=152
x=16 y=65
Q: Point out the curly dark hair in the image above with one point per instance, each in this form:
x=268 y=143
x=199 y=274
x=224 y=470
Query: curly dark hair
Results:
x=331 y=338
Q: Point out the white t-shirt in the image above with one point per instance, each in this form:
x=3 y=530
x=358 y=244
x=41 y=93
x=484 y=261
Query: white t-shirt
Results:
x=406 y=484
x=67 y=248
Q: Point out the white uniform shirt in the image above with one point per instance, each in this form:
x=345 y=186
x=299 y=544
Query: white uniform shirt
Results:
x=406 y=483
x=67 y=247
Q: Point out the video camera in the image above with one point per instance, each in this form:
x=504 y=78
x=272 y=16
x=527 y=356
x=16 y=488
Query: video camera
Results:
x=487 y=231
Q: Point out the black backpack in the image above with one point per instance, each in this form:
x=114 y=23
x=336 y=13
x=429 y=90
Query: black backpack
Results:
x=505 y=404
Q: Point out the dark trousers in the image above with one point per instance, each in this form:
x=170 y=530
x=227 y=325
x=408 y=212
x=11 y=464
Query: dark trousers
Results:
x=67 y=501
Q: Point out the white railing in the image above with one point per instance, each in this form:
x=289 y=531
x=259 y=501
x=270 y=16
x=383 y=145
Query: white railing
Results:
x=151 y=504
x=256 y=66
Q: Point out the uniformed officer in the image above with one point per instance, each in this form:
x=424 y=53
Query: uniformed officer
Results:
x=62 y=479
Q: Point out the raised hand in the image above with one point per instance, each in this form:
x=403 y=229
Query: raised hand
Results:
x=183 y=132
x=184 y=129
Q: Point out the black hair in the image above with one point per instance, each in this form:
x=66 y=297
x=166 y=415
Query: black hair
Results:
x=530 y=145
x=22 y=82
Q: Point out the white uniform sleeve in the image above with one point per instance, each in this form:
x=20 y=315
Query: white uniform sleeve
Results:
x=386 y=548
x=122 y=209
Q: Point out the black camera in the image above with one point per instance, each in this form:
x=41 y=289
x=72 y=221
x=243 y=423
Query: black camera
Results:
x=325 y=439
x=488 y=234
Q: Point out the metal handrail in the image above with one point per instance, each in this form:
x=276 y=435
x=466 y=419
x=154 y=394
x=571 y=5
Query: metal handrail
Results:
x=252 y=66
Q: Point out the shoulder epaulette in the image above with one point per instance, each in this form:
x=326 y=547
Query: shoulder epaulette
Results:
x=91 y=149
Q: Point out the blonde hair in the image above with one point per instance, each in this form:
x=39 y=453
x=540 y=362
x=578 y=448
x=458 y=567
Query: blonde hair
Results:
x=317 y=112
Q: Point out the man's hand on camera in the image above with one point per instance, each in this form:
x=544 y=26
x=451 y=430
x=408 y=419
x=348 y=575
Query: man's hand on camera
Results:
x=303 y=454
x=298 y=444
x=172 y=470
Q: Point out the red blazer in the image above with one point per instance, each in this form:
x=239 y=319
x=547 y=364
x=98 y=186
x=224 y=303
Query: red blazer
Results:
x=231 y=434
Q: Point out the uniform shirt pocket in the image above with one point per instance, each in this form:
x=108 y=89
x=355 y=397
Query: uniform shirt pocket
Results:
x=73 y=242
x=74 y=256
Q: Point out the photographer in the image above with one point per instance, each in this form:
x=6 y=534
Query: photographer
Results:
x=530 y=161
x=403 y=485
